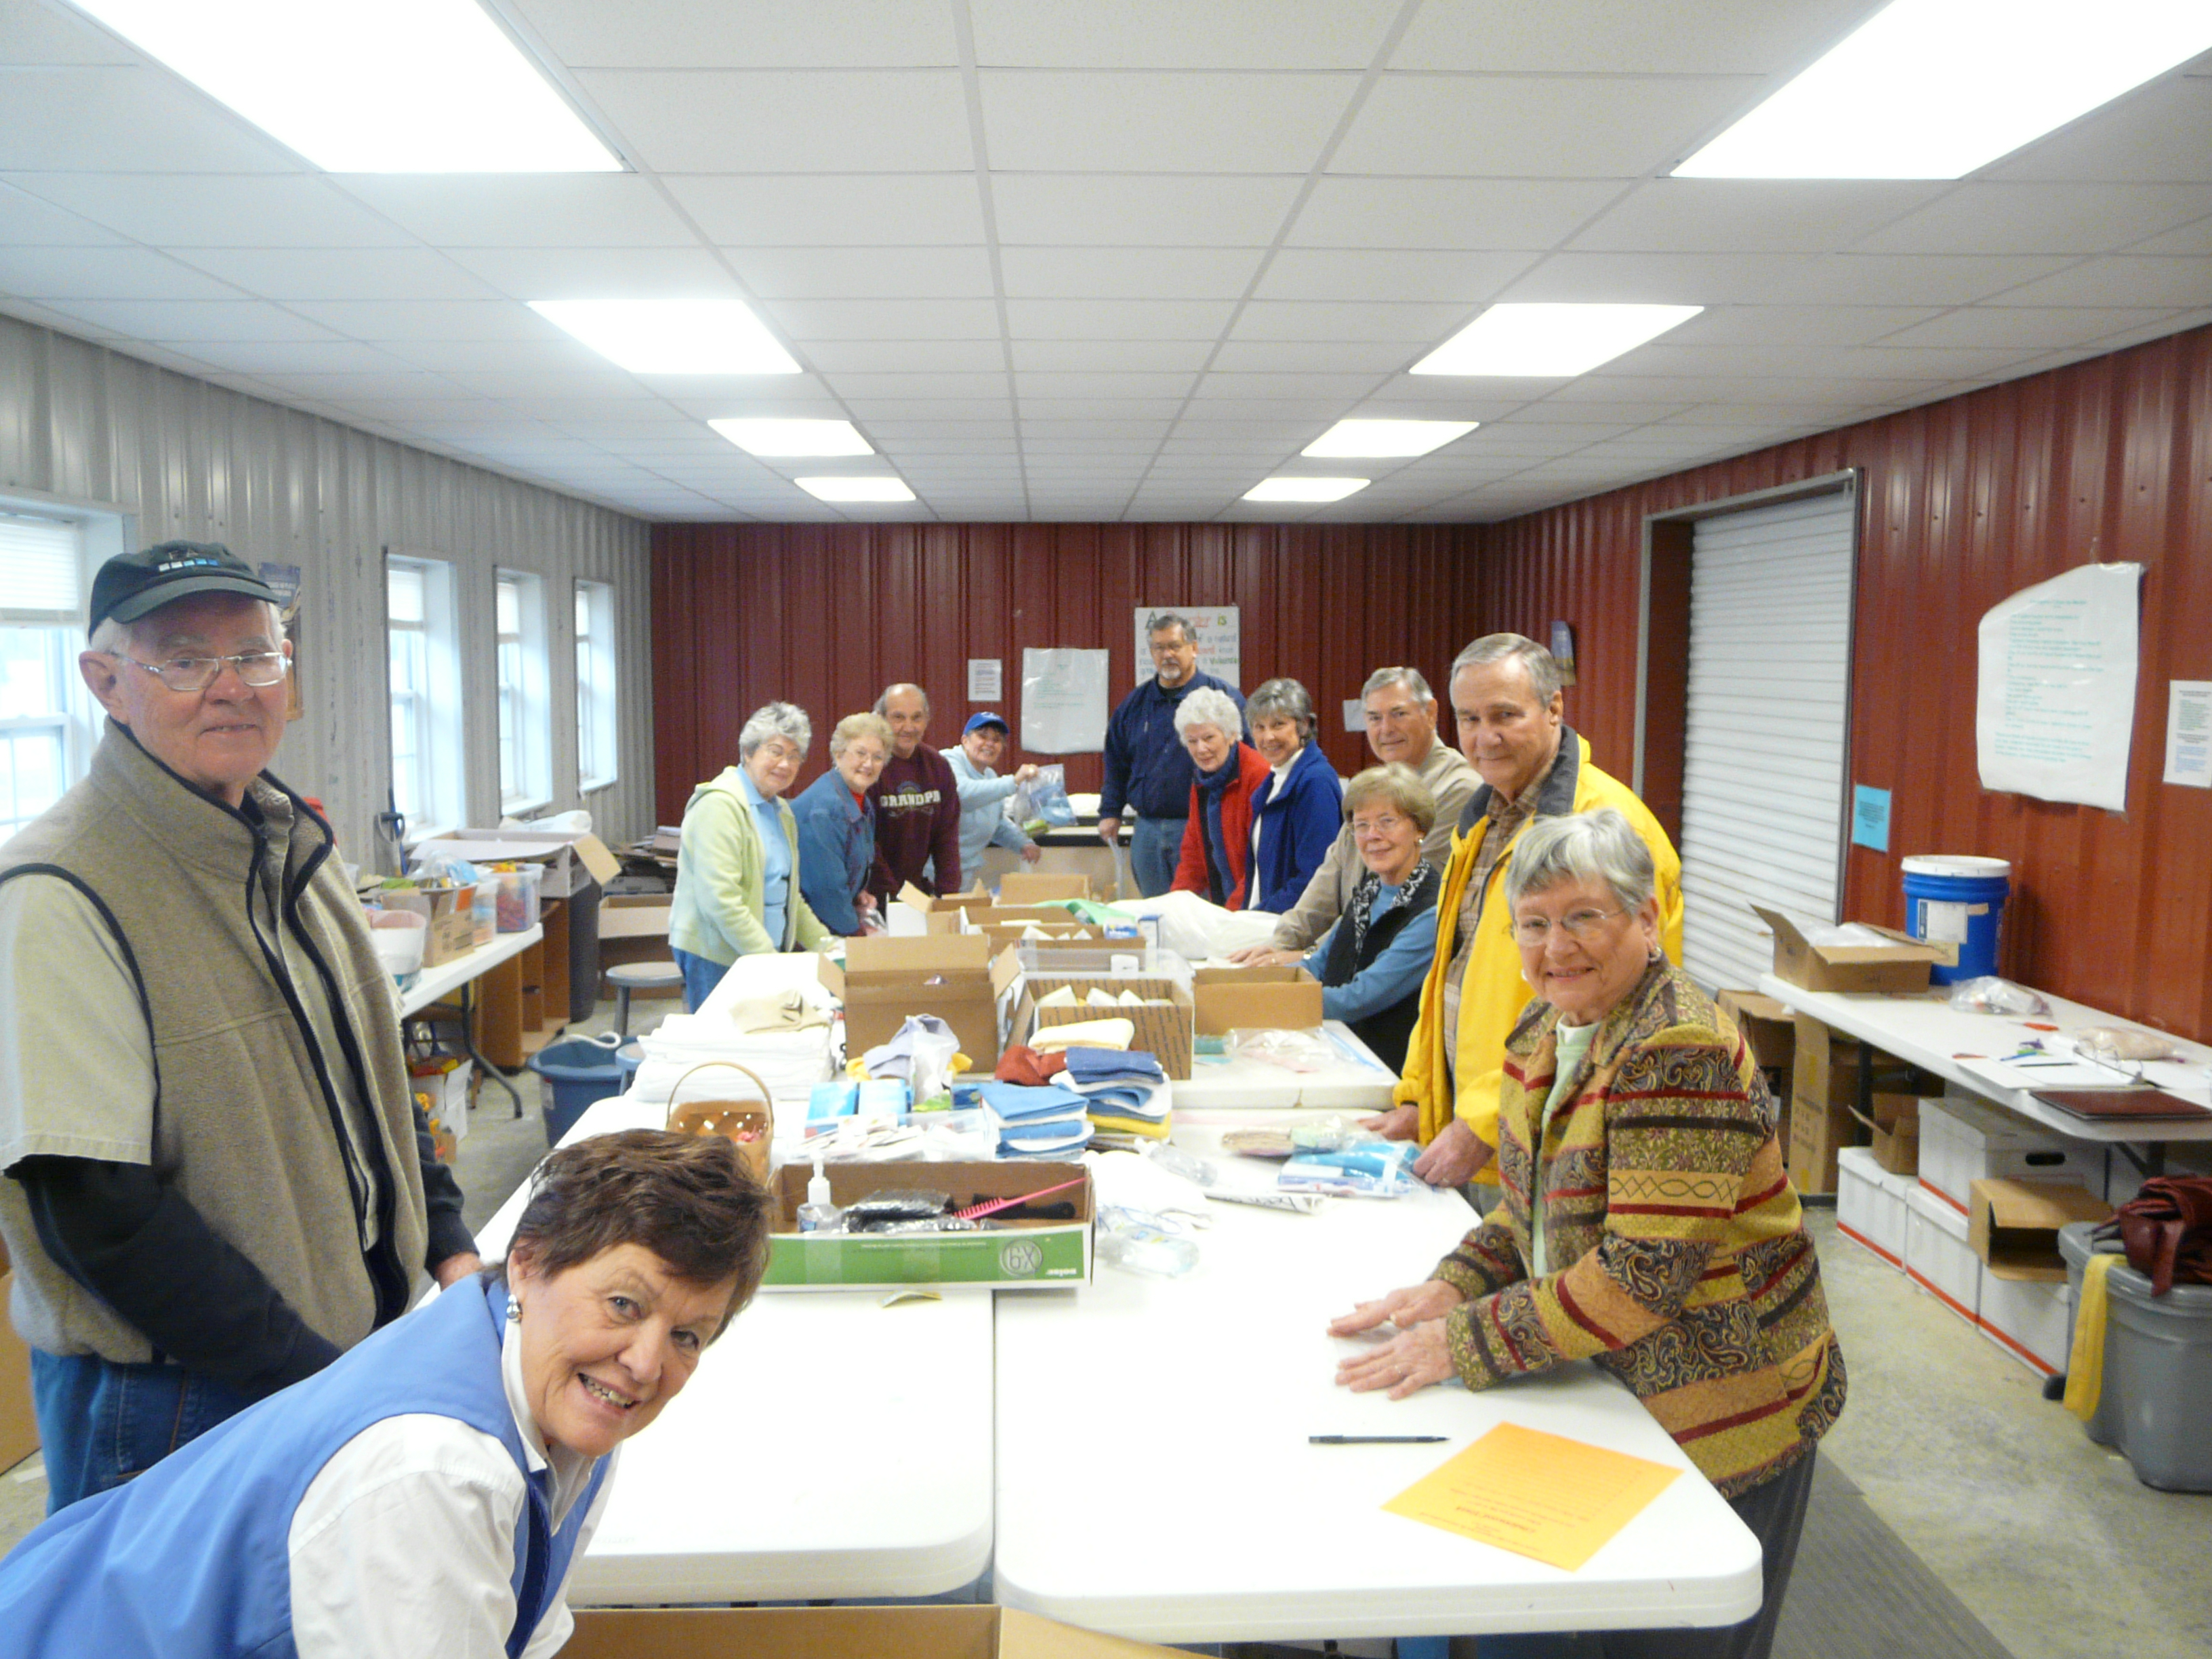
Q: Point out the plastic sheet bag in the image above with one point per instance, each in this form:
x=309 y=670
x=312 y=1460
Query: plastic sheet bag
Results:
x=1294 y=1051
x=1042 y=803
x=1991 y=995
x=2117 y=1045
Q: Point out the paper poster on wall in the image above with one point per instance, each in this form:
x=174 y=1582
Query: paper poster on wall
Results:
x=2055 y=710
x=1063 y=701
x=986 y=680
x=1220 y=641
x=2189 y=732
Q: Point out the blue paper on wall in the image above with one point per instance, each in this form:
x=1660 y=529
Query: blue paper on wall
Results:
x=1870 y=818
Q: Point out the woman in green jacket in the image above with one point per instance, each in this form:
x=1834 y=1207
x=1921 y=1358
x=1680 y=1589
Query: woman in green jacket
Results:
x=737 y=875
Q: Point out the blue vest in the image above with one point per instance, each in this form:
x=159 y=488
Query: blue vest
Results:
x=189 y=1561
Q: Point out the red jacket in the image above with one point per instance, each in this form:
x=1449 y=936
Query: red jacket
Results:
x=1252 y=771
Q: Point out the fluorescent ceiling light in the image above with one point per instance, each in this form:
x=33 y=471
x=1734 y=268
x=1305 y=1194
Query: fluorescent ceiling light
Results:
x=1387 y=437
x=673 y=336
x=856 y=489
x=1550 y=342
x=1290 y=487
x=794 y=437
x=1935 y=89
x=370 y=86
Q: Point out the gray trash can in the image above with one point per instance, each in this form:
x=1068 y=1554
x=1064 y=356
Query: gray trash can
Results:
x=2155 y=1408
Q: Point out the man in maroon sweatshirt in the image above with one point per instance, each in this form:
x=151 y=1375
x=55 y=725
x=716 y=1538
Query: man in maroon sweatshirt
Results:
x=917 y=801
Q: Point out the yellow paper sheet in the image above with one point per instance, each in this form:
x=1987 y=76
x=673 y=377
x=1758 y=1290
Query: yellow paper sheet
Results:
x=1538 y=1495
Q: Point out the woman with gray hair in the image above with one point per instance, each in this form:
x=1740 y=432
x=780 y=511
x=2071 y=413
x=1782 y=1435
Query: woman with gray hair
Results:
x=837 y=826
x=1217 y=839
x=736 y=876
x=1646 y=1221
x=1297 y=811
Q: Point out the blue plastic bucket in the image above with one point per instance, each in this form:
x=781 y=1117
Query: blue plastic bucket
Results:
x=1959 y=900
x=581 y=1072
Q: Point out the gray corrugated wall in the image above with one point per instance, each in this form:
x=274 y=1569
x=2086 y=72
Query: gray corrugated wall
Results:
x=86 y=424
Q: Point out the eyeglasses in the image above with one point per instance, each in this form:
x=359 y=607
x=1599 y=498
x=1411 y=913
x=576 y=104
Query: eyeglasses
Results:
x=197 y=673
x=1386 y=826
x=1532 y=931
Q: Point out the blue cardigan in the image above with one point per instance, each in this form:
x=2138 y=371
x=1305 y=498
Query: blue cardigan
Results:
x=1299 y=815
x=836 y=845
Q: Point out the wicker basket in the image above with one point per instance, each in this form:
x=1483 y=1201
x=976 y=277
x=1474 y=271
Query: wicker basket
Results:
x=750 y=1125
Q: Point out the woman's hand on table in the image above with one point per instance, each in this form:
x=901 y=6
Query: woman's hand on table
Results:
x=1413 y=1304
x=1409 y=1362
x=1261 y=956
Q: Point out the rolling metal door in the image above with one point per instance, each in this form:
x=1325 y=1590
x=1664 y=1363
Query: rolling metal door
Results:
x=1769 y=710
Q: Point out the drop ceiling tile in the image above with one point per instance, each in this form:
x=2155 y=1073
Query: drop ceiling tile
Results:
x=1153 y=429
x=559 y=410
x=29 y=221
x=1140 y=209
x=1136 y=34
x=329 y=274
x=1043 y=120
x=340 y=389
x=2025 y=326
x=1110 y=356
x=861 y=273
x=1162 y=273
x=597 y=273
x=1107 y=385
x=1765 y=325
x=605 y=381
x=104 y=273
x=1099 y=409
x=519 y=209
x=888 y=417
x=1751 y=216
x=63 y=322
x=818 y=210
x=744 y=34
x=1110 y=319
x=712 y=396
x=1375 y=357
x=125 y=120
x=1913 y=279
x=1324 y=388
x=2174 y=323
x=2160 y=133
x=1809 y=365
x=866 y=387
x=176 y=320
x=1338 y=320
x=884 y=320
x=1427 y=395
x=2124 y=280
x=2189 y=239
x=1747 y=37
x=1662 y=278
x=834 y=357
x=1534 y=126
x=2042 y=218
x=272 y=209
x=1356 y=274
x=1626 y=412
x=1357 y=212
x=300 y=357
x=788 y=120
x=952 y=438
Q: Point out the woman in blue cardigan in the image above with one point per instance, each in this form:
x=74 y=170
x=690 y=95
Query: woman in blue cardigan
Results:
x=1297 y=814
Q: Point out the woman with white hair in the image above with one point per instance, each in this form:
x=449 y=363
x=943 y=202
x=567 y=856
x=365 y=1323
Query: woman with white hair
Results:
x=737 y=877
x=1216 y=842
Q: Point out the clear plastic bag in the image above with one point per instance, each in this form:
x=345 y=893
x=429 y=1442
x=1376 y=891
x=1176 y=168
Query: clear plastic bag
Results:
x=1991 y=995
x=2117 y=1045
x=1141 y=1242
x=1043 y=802
x=1294 y=1051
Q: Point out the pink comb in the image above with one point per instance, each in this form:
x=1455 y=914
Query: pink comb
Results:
x=996 y=1204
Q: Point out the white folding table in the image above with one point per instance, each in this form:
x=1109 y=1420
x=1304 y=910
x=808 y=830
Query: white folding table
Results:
x=460 y=974
x=1354 y=1080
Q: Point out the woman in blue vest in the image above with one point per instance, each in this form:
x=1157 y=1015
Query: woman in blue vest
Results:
x=429 y=1492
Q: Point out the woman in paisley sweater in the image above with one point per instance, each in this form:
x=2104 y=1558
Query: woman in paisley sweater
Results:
x=1645 y=1220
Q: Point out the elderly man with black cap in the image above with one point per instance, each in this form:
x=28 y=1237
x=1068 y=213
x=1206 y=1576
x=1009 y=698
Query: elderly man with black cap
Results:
x=984 y=794
x=217 y=1178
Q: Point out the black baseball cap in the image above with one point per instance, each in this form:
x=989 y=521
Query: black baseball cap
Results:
x=131 y=584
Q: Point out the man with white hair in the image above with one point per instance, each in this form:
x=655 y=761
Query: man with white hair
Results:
x=217 y=1178
x=917 y=802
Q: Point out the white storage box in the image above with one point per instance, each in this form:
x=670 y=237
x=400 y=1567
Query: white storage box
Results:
x=1870 y=1204
x=1963 y=1140
x=1937 y=1257
x=2029 y=1319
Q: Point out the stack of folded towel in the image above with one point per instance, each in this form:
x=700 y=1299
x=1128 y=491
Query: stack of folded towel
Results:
x=1126 y=1090
x=1042 y=1120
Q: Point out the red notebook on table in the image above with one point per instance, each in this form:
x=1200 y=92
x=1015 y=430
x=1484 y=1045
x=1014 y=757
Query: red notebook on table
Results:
x=2123 y=1105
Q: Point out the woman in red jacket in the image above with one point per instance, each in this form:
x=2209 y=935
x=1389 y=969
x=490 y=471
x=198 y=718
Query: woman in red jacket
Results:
x=1216 y=844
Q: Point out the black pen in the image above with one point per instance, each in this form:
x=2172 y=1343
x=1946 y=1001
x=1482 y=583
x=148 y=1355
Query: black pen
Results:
x=1377 y=1439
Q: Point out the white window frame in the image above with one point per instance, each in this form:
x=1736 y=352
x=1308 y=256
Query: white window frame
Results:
x=71 y=724
x=599 y=755
x=440 y=737
x=522 y=677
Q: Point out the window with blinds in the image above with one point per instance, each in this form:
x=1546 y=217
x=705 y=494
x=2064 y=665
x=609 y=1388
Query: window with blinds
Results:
x=1765 y=743
x=41 y=609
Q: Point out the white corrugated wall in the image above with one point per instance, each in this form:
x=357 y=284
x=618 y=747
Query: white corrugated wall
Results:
x=84 y=425
x=1769 y=715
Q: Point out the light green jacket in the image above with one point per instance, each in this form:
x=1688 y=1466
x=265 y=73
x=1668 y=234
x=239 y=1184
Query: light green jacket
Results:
x=719 y=907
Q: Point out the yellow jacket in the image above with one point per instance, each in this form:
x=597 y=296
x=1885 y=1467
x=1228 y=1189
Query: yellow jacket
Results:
x=1493 y=992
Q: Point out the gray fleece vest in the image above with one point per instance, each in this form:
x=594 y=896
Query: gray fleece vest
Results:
x=246 y=1124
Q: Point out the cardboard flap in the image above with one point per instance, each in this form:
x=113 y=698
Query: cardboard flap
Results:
x=1027 y=1636
x=926 y=953
x=2013 y=1226
x=1905 y=947
x=1030 y=887
x=593 y=853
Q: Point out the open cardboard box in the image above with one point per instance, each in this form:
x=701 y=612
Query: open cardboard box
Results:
x=1023 y=1256
x=908 y=1632
x=450 y=930
x=911 y=911
x=1163 y=1019
x=1767 y=1025
x=2013 y=1226
x=571 y=858
x=887 y=977
x=1286 y=999
x=634 y=927
x=1035 y=886
x=1901 y=965
x=1896 y=1127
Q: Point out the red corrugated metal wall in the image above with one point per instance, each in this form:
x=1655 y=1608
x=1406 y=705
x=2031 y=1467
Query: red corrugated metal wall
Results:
x=1968 y=502
x=822 y=616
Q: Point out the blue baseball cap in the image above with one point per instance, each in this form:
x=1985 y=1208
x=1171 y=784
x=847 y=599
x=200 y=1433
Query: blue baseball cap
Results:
x=987 y=718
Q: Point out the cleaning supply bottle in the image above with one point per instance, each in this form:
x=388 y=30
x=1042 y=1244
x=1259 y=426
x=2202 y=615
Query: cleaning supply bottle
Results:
x=818 y=1214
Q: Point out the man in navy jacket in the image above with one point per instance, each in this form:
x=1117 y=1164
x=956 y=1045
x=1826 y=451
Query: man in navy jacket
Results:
x=1147 y=771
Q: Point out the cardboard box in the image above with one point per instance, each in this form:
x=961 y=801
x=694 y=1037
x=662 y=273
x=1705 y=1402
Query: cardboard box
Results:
x=451 y=931
x=1964 y=1138
x=1938 y=1257
x=1824 y=1096
x=1163 y=1018
x=1286 y=999
x=634 y=927
x=885 y=979
x=1004 y=934
x=2032 y=1321
x=907 y=1632
x=1897 y=1133
x=1900 y=964
x=1047 y=1255
x=572 y=859
x=2013 y=1226
x=1770 y=1028
x=19 y=1423
x=1036 y=887
x=911 y=911
x=1870 y=1204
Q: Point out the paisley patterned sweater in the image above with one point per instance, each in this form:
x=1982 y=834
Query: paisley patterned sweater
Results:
x=1688 y=1272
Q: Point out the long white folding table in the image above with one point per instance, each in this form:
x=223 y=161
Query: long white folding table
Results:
x=1353 y=1080
x=1155 y=1479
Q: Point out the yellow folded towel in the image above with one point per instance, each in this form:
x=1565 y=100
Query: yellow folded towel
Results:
x=2085 y=1365
x=1133 y=1125
x=1084 y=1034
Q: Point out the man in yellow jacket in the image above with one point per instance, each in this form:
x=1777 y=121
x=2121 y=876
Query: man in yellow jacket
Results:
x=1506 y=699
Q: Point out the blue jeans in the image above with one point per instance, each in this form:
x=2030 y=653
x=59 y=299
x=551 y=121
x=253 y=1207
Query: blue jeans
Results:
x=100 y=1423
x=700 y=977
x=1155 y=849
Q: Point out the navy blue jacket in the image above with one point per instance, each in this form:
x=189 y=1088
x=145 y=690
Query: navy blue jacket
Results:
x=1148 y=767
x=1299 y=819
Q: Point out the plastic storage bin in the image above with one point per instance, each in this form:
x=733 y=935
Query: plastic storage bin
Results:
x=2155 y=1408
x=580 y=1071
x=1870 y=1204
